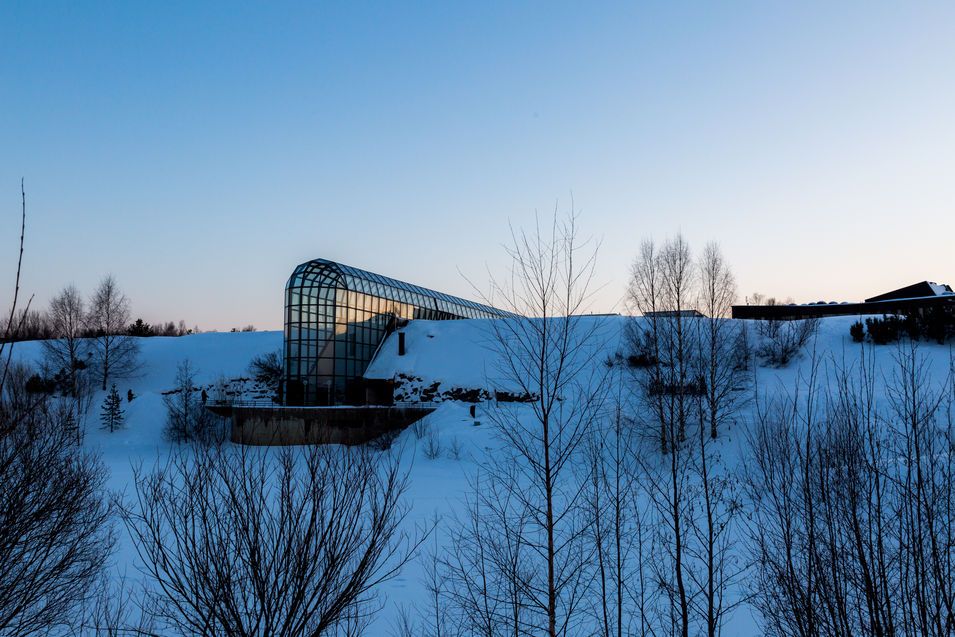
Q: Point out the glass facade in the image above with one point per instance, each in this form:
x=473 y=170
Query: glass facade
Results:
x=337 y=316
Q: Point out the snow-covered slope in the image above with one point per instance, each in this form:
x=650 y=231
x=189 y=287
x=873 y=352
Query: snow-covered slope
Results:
x=452 y=353
x=465 y=354
x=212 y=356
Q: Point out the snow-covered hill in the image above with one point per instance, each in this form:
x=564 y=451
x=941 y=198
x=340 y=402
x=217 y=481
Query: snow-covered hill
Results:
x=451 y=353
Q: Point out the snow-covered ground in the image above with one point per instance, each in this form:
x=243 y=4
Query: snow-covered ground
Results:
x=453 y=353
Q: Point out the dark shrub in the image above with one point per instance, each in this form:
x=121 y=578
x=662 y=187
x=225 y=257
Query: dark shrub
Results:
x=141 y=328
x=267 y=368
x=887 y=329
x=36 y=384
x=857 y=331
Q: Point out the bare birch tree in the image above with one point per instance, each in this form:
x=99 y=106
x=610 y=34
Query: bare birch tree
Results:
x=618 y=526
x=115 y=353
x=663 y=288
x=724 y=352
x=67 y=350
x=723 y=361
x=548 y=354
x=690 y=363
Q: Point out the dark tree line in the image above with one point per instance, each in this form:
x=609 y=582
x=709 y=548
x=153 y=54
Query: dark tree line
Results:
x=34 y=324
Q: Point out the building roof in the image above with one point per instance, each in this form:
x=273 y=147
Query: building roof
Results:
x=914 y=291
x=358 y=280
x=675 y=313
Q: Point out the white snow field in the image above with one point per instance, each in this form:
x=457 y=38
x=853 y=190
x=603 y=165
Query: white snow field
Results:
x=455 y=354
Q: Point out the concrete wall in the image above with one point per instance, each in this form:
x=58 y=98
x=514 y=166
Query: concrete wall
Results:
x=318 y=425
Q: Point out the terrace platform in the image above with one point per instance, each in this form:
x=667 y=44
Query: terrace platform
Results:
x=262 y=423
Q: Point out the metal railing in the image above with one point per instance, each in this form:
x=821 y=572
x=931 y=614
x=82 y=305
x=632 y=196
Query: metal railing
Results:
x=264 y=403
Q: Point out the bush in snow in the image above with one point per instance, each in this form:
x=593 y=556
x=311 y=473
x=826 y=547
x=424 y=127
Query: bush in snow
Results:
x=888 y=329
x=248 y=541
x=455 y=450
x=432 y=445
x=420 y=428
x=783 y=340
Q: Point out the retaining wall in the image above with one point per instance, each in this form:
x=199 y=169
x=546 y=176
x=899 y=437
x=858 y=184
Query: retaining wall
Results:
x=318 y=425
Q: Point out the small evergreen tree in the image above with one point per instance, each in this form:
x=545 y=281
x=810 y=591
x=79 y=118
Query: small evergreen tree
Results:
x=141 y=328
x=112 y=413
x=857 y=331
x=69 y=422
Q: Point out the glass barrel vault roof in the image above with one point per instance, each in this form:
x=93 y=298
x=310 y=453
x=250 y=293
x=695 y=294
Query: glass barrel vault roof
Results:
x=325 y=273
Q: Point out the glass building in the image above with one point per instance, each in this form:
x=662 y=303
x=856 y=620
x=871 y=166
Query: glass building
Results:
x=337 y=316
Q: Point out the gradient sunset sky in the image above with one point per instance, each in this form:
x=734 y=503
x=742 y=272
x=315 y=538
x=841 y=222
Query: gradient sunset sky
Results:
x=199 y=151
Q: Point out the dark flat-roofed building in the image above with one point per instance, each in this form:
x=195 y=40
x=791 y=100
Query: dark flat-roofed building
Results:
x=675 y=314
x=911 y=298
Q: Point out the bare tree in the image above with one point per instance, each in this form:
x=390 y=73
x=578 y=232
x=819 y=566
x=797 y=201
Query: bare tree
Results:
x=68 y=320
x=852 y=504
x=718 y=567
x=724 y=353
x=663 y=287
x=925 y=433
x=551 y=355
x=487 y=572
x=243 y=541
x=68 y=352
x=268 y=368
x=723 y=362
x=12 y=327
x=690 y=362
x=117 y=610
x=617 y=528
x=187 y=419
x=645 y=295
x=437 y=616
x=28 y=325
x=116 y=353
x=783 y=528
x=54 y=531
x=521 y=561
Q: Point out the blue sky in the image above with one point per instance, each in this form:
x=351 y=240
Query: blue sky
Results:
x=199 y=151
